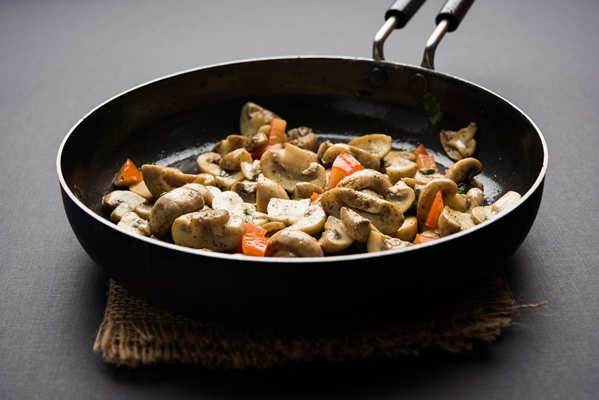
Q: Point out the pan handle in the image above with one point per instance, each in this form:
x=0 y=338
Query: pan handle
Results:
x=448 y=19
x=396 y=17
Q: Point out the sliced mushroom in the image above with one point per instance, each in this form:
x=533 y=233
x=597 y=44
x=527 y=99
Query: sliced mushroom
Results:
x=399 y=164
x=464 y=170
x=258 y=140
x=298 y=214
x=304 y=138
x=267 y=189
x=232 y=160
x=376 y=143
x=384 y=215
x=378 y=241
x=451 y=198
x=291 y=165
x=179 y=201
x=208 y=163
x=253 y=117
x=231 y=143
x=459 y=144
x=141 y=189
x=291 y=242
x=120 y=202
x=134 y=223
x=303 y=190
x=508 y=200
x=366 y=158
x=401 y=195
x=451 y=221
x=226 y=180
x=215 y=230
x=160 y=180
x=234 y=204
x=408 y=229
x=367 y=179
x=356 y=225
x=251 y=171
x=246 y=190
x=335 y=237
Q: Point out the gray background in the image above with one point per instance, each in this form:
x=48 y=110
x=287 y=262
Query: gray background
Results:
x=61 y=58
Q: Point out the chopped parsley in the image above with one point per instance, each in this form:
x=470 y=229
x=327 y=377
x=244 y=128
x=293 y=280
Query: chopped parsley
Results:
x=432 y=108
x=78 y=192
x=248 y=215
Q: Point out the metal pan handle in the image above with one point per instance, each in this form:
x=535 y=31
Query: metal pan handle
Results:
x=448 y=20
x=396 y=17
x=401 y=11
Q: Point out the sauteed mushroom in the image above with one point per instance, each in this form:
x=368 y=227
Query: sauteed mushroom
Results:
x=384 y=215
x=291 y=165
x=298 y=214
x=216 y=230
x=160 y=180
x=134 y=223
x=120 y=202
x=253 y=117
x=383 y=199
x=376 y=143
x=459 y=144
x=335 y=237
x=293 y=243
x=173 y=204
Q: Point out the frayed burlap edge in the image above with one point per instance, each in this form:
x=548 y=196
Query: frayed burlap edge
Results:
x=135 y=333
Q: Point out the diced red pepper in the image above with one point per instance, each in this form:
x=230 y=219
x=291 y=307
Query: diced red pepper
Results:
x=344 y=165
x=276 y=138
x=426 y=163
x=423 y=239
x=128 y=174
x=432 y=219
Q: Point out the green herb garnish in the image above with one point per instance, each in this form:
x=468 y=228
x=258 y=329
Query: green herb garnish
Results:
x=432 y=108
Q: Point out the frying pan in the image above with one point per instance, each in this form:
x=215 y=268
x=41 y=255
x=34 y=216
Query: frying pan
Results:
x=169 y=121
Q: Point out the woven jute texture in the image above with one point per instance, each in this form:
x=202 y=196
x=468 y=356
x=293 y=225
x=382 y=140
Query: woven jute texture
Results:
x=135 y=333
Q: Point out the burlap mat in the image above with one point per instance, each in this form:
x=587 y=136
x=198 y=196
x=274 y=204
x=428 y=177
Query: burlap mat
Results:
x=135 y=333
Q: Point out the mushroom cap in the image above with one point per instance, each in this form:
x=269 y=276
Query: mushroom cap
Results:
x=401 y=195
x=329 y=152
x=367 y=179
x=464 y=170
x=447 y=187
x=378 y=241
x=376 y=143
x=335 y=237
x=208 y=163
x=291 y=242
x=120 y=202
x=291 y=165
x=160 y=180
x=232 y=142
x=451 y=221
x=459 y=144
x=384 y=215
x=134 y=223
x=358 y=227
x=253 y=117
x=299 y=214
x=232 y=160
x=267 y=189
x=399 y=164
x=215 y=230
x=179 y=201
x=304 y=138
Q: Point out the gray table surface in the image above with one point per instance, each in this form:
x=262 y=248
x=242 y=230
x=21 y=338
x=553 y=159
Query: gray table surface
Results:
x=61 y=58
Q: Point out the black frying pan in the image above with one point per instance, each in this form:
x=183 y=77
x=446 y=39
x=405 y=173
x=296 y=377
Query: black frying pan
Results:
x=171 y=120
